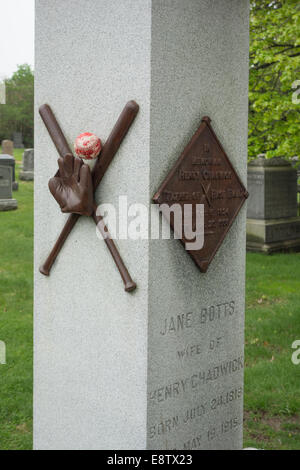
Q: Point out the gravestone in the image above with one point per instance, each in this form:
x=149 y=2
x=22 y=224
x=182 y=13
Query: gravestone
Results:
x=295 y=164
x=272 y=222
x=2 y=352
x=7 y=147
x=7 y=203
x=162 y=367
x=18 y=140
x=8 y=160
x=27 y=174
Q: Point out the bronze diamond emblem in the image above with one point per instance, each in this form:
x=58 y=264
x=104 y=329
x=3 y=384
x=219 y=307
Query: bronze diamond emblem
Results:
x=204 y=175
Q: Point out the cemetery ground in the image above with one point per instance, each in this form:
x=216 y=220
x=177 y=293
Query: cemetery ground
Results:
x=16 y=291
x=272 y=401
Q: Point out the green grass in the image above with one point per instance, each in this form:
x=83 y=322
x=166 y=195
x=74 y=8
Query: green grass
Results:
x=272 y=398
x=16 y=291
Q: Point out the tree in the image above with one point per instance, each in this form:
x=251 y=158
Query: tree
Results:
x=17 y=113
x=274 y=75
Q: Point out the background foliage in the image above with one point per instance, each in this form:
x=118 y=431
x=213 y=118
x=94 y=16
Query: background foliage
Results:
x=17 y=113
x=274 y=80
x=274 y=68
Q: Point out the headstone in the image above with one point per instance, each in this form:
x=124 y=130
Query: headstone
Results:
x=27 y=174
x=295 y=160
x=18 y=140
x=162 y=367
x=2 y=352
x=7 y=147
x=272 y=222
x=8 y=160
x=7 y=203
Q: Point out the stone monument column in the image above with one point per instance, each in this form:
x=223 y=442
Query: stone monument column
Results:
x=161 y=367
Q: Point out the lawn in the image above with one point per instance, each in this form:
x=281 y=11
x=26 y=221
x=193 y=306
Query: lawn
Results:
x=272 y=381
x=16 y=286
x=272 y=399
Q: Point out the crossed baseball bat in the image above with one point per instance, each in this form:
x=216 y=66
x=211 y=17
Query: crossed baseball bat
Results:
x=109 y=150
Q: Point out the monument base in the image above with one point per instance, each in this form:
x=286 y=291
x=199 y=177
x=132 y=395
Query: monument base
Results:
x=273 y=235
x=8 y=205
x=26 y=176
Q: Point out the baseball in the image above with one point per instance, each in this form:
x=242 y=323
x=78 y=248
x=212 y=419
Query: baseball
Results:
x=88 y=146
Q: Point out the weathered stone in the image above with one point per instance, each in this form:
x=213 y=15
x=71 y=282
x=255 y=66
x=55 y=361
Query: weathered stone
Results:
x=8 y=160
x=27 y=173
x=18 y=140
x=7 y=147
x=6 y=201
x=272 y=222
x=161 y=368
x=272 y=186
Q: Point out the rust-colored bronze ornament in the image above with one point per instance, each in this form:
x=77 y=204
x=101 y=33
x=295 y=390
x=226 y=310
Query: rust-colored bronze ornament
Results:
x=70 y=194
x=204 y=175
x=72 y=187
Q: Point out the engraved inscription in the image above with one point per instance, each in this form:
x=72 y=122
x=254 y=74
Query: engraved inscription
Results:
x=204 y=175
x=213 y=313
x=198 y=160
x=216 y=175
x=190 y=351
x=226 y=398
x=208 y=397
x=195 y=381
x=195 y=349
x=164 y=427
x=193 y=443
x=212 y=433
x=171 y=196
x=178 y=323
x=196 y=413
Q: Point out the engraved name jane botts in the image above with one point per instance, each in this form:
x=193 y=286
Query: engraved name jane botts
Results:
x=199 y=400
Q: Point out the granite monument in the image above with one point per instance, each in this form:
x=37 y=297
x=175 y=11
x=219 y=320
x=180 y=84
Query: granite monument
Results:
x=7 y=147
x=18 y=140
x=272 y=221
x=7 y=203
x=8 y=160
x=161 y=367
x=27 y=173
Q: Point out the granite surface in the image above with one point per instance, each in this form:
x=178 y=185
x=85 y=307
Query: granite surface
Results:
x=27 y=173
x=109 y=373
x=272 y=186
x=199 y=68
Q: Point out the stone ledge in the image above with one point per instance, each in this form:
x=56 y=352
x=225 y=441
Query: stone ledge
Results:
x=272 y=230
x=284 y=246
x=26 y=176
x=8 y=204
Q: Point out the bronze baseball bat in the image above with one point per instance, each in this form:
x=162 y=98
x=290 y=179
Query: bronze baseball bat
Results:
x=54 y=130
x=128 y=282
x=109 y=150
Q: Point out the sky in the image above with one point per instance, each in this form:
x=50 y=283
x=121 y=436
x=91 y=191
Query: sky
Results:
x=17 y=35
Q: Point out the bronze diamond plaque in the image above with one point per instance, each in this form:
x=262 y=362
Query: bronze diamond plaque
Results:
x=204 y=175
